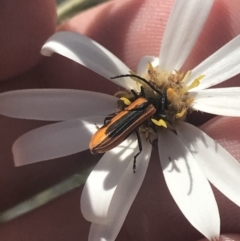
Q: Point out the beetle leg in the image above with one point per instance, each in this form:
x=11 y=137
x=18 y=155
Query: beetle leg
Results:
x=140 y=150
x=135 y=94
x=142 y=92
x=108 y=118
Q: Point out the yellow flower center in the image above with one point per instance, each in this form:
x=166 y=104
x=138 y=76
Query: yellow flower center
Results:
x=170 y=87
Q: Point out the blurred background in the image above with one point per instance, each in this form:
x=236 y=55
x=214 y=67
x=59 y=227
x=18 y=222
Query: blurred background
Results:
x=66 y=9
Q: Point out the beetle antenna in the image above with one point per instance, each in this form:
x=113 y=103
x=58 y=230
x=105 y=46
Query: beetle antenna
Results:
x=138 y=77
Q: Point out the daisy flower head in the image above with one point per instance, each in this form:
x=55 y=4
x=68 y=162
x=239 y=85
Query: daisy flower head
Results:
x=189 y=158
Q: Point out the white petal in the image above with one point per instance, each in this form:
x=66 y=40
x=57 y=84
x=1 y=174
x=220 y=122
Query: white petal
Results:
x=88 y=53
x=188 y=186
x=55 y=104
x=142 y=65
x=55 y=140
x=220 y=66
x=126 y=191
x=183 y=28
x=103 y=180
x=221 y=101
x=221 y=169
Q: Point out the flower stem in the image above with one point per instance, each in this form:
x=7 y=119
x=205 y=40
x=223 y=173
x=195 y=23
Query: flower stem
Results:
x=69 y=8
x=45 y=196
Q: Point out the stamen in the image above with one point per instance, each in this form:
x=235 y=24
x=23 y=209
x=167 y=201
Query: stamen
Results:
x=150 y=67
x=186 y=77
x=126 y=101
x=195 y=83
x=181 y=114
x=160 y=122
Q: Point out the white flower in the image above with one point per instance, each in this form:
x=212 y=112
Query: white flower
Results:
x=189 y=159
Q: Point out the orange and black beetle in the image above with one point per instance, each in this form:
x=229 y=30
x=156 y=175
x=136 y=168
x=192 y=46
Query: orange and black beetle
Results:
x=127 y=121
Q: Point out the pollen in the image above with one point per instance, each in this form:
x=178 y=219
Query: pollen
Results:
x=181 y=114
x=160 y=122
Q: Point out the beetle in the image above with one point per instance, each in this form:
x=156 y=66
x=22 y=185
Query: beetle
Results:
x=127 y=121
